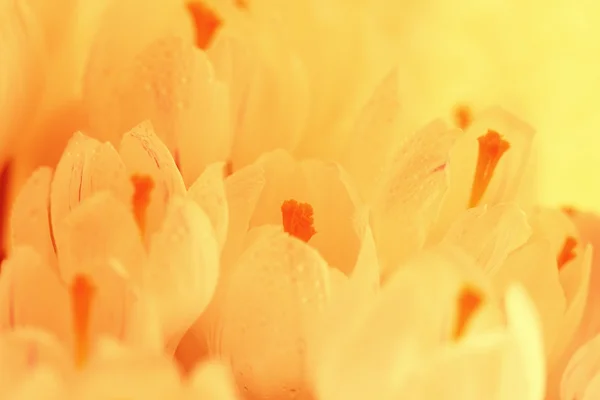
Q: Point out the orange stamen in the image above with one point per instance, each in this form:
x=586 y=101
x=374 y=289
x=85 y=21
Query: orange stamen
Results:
x=206 y=23
x=570 y=211
x=5 y=192
x=469 y=301
x=82 y=294
x=567 y=253
x=491 y=148
x=463 y=116
x=142 y=188
x=298 y=219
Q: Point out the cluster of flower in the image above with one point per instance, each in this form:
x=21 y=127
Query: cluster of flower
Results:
x=246 y=216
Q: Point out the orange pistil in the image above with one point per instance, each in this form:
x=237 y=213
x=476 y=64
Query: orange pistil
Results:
x=491 y=148
x=463 y=116
x=298 y=219
x=567 y=253
x=570 y=211
x=82 y=294
x=142 y=188
x=206 y=23
x=5 y=191
x=469 y=301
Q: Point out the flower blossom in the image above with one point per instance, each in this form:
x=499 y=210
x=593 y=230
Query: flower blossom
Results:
x=276 y=214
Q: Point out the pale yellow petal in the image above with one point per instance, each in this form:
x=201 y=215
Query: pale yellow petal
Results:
x=534 y=267
x=144 y=154
x=97 y=233
x=408 y=322
x=71 y=183
x=525 y=366
x=256 y=75
x=490 y=234
x=124 y=373
x=24 y=273
x=183 y=267
x=30 y=217
x=42 y=384
x=581 y=369
x=26 y=352
x=243 y=190
x=409 y=201
x=127 y=28
x=212 y=381
x=143 y=326
x=208 y=191
x=374 y=139
x=272 y=302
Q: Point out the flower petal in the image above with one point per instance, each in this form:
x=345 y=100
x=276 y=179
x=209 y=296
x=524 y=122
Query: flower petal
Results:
x=30 y=220
x=374 y=356
x=127 y=28
x=374 y=139
x=31 y=360
x=212 y=381
x=272 y=302
x=243 y=190
x=581 y=369
x=208 y=191
x=71 y=183
x=144 y=154
x=409 y=201
x=534 y=267
x=24 y=273
x=183 y=267
x=95 y=235
x=490 y=234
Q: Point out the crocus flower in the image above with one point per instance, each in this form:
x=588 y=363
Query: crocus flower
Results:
x=122 y=222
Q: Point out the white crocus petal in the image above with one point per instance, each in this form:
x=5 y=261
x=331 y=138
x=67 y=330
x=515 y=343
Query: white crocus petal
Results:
x=30 y=220
x=86 y=167
x=208 y=191
x=97 y=233
x=374 y=355
x=183 y=267
x=409 y=200
x=490 y=234
x=262 y=124
x=525 y=368
x=144 y=154
x=372 y=143
x=116 y=45
x=143 y=329
x=26 y=272
x=575 y=280
x=42 y=383
x=271 y=305
x=581 y=369
x=23 y=74
x=243 y=189
x=533 y=266
x=71 y=183
x=350 y=296
x=31 y=361
x=212 y=381
x=115 y=371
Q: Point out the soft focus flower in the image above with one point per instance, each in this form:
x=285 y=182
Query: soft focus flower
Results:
x=125 y=221
x=276 y=211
